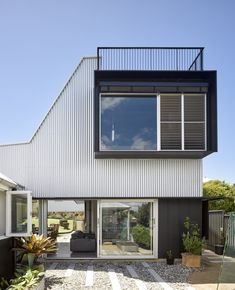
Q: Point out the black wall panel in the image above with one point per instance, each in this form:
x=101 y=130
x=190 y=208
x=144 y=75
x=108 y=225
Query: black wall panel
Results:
x=6 y=258
x=171 y=215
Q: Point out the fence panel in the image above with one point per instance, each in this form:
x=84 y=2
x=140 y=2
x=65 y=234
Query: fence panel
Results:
x=217 y=220
x=229 y=221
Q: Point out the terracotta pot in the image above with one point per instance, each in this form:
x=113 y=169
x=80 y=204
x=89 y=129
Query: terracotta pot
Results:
x=190 y=260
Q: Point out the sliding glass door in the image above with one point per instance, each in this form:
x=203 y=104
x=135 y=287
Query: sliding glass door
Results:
x=126 y=228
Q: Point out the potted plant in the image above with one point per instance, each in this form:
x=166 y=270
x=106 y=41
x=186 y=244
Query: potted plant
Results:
x=169 y=257
x=192 y=243
x=219 y=248
x=34 y=247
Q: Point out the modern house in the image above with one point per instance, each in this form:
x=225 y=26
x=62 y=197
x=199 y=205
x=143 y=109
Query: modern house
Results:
x=126 y=136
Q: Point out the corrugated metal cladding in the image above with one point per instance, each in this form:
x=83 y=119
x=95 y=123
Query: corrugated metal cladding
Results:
x=59 y=160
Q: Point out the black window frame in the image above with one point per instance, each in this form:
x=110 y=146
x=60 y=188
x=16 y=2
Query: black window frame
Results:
x=157 y=79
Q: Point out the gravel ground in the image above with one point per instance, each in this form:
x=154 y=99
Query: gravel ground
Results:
x=175 y=275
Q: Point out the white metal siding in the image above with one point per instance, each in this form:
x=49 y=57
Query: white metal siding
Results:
x=59 y=160
x=14 y=162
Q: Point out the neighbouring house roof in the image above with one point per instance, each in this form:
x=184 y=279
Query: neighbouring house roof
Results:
x=6 y=183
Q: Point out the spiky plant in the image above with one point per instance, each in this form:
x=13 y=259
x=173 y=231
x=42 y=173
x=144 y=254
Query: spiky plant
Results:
x=25 y=278
x=36 y=245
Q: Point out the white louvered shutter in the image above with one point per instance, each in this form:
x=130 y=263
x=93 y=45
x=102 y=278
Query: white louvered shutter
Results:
x=194 y=122
x=171 y=122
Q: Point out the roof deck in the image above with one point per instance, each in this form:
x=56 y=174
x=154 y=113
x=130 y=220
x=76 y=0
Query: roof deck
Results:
x=150 y=58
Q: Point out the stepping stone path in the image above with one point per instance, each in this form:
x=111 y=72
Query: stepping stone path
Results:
x=115 y=275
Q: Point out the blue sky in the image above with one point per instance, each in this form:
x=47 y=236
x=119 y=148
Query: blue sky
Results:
x=42 y=42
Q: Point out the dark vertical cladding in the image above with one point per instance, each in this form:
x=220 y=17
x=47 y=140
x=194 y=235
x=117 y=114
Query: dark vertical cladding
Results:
x=171 y=214
x=6 y=258
x=212 y=113
x=205 y=219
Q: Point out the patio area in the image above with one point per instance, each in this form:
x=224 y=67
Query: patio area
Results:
x=63 y=252
x=137 y=274
x=116 y=275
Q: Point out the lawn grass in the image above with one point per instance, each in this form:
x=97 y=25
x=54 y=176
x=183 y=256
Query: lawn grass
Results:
x=50 y=221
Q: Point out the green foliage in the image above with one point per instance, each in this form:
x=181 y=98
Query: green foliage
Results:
x=217 y=188
x=169 y=254
x=141 y=236
x=25 y=278
x=36 y=244
x=3 y=283
x=123 y=234
x=143 y=214
x=191 y=238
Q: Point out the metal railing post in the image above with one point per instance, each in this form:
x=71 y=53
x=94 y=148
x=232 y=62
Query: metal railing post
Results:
x=98 y=58
x=202 y=52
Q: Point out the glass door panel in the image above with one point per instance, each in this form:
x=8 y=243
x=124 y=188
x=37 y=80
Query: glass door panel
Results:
x=18 y=213
x=126 y=228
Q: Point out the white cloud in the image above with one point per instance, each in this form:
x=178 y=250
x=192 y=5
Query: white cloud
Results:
x=107 y=143
x=142 y=141
x=141 y=144
x=110 y=103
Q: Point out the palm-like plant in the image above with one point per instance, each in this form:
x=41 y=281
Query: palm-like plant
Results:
x=36 y=245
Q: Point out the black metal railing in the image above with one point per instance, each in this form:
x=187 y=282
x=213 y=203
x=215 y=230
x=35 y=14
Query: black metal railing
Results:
x=150 y=58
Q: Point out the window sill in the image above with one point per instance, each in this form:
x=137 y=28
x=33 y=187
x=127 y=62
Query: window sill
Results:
x=151 y=154
x=2 y=237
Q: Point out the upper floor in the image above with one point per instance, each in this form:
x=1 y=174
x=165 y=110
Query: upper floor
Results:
x=58 y=162
x=154 y=103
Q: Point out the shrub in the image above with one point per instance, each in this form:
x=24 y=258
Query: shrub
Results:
x=4 y=284
x=191 y=238
x=25 y=279
x=143 y=214
x=141 y=236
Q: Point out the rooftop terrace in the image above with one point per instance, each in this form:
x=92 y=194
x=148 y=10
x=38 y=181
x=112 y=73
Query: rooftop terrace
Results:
x=150 y=58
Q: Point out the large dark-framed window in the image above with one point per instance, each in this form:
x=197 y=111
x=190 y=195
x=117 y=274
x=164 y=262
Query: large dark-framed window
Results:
x=128 y=122
x=152 y=122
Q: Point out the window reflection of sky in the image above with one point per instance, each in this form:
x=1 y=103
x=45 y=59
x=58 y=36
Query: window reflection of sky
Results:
x=128 y=123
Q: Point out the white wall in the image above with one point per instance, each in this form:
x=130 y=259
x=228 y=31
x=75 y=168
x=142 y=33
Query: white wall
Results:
x=59 y=160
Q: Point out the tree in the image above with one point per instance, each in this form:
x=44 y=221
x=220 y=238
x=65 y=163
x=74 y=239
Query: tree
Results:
x=217 y=188
x=143 y=214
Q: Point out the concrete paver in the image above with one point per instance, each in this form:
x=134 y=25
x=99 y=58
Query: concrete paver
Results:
x=208 y=278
